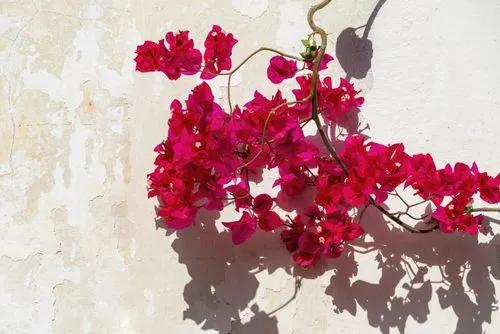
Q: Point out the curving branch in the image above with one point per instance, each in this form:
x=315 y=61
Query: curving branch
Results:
x=230 y=73
x=497 y=210
x=315 y=116
x=313 y=96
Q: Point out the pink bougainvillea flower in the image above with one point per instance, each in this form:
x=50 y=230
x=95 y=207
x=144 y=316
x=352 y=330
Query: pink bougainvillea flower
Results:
x=293 y=180
x=241 y=195
x=424 y=178
x=218 y=50
x=335 y=231
x=280 y=69
x=309 y=217
x=392 y=162
x=434 y=184
x=182 y=57
x=194 y=163
x=332 y=102
x=457 y=180
x=304 y=220
x=330 y=186
x=352 y=231
x=313 y=234
x=340 y=100
x=149 y=56
x=261 y=105
x=309 y=242
x=305 y=259
x=177 y=214
x=242 y=229
x=323 y=64
x=356 y=192
x=269 y=221
x=262 y=203
x=245 y=129
x=489 y=187
x=303 y=110
x=375 y=169
x=454 y=216
x=179 y=58
x=469 y=223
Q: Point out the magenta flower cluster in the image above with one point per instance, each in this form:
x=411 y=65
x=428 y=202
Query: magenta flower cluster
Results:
x=211 y=155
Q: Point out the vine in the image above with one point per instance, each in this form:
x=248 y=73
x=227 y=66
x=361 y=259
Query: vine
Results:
x=211 y=156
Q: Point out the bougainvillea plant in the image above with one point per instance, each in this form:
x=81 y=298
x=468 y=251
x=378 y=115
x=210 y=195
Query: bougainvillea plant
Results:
x=211 y=154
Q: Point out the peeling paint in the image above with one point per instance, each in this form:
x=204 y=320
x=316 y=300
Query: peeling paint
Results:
x=80 y=251
x=250 y=8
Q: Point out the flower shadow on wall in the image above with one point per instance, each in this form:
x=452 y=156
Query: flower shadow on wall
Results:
x=224 y=283
x=402 y=259
x=223 y=278
x=354 y=53
x=405 y=262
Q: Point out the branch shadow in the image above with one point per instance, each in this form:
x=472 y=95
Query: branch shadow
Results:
x=223 y=277
x=408 y=263
x=224 y=283
x=402 y=259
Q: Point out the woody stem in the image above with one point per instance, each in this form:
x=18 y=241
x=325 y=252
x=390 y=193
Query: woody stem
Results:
x=315 y=116
x=485 y=210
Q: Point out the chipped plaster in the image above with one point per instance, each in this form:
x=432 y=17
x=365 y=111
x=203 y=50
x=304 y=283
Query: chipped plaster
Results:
x=250 y=8
x=80 y=252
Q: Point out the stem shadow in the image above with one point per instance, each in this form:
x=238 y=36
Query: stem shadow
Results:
x=354 y=53
x=459 y=268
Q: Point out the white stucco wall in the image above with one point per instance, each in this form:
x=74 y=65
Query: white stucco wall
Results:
x=79 y=251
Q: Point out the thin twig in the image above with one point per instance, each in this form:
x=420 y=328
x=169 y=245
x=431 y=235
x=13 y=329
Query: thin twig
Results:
x=266 y=124
x=485 y=210
x=230 y=73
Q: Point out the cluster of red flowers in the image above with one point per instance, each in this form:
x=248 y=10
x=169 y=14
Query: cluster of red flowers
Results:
x=209 y=155
x=376 y=170
x=314 y=232
x=182 y=58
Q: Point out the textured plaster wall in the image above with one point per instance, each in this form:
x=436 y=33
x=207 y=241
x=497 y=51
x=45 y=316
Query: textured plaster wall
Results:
x=79 y=251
